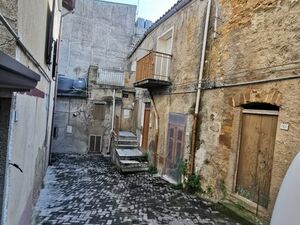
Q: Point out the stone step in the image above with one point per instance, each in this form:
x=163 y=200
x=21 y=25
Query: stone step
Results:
x=133 y=166
x=127 y=146
x=129 y=154
x=127 y=142
x=126 y=135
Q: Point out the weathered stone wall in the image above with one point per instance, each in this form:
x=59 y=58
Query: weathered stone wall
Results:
x=256 y=40
x=79 y=113
x=103 y=94
x=9 y=9
x=187 y=24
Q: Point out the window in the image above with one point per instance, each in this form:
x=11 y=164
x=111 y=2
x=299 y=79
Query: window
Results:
x=165 y=42
x=163 y=55
x=125 y=95
x=95 y=144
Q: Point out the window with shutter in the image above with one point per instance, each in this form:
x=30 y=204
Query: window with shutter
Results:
x=95 y=144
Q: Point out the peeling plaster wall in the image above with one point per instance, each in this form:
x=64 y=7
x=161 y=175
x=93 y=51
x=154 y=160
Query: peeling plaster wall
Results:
x=29 y=137
x=253 y=35
x=77 y=140
x=188 y=25
x=128 y=112
x=79 y=114
x=98 y=33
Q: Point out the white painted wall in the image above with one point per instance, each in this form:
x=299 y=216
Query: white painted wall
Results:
x=30 y=134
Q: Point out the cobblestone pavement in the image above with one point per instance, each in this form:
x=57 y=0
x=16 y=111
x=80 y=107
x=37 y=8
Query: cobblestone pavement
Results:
x=89 y=190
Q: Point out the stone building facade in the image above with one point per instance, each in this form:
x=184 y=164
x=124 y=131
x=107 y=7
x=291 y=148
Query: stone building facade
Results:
x=26 y=107
x=171 y=48
x=250 y=120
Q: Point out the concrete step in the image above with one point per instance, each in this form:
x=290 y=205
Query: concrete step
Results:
x=129 y=154
x=127 y=135
x=125 y=141
x=133 y=166
x=127 y=146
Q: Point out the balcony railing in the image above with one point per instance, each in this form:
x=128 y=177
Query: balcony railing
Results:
x=155 y=65
x=110 y=76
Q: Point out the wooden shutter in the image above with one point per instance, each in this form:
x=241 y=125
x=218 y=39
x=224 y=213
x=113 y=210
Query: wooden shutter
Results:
x=95 y=144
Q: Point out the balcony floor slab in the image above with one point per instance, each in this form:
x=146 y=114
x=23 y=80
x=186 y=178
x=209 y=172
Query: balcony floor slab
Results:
x=152 y=83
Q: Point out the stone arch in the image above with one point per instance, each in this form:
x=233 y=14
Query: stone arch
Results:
x=257 y=96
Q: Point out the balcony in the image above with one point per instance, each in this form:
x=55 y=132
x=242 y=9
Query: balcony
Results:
x=153 y=71
x=110 y=77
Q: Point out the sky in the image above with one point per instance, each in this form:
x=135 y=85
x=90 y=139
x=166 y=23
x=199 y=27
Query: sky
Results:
x=149 y=9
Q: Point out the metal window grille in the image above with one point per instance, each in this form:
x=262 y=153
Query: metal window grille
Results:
x=112 y=77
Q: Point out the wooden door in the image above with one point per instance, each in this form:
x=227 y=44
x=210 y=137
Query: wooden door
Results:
x=175 y=146
x=117 y=125
x=256 y=155
x=146 y=129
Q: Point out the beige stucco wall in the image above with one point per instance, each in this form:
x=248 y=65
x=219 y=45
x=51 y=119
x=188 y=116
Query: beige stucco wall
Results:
x=29 y=137
x=187 y=26
x=259 y=34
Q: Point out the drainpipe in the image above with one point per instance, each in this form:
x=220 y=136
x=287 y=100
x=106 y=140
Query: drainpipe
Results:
x=198 y=100
x=113 y=112
x=112 y=120
x=156 y=129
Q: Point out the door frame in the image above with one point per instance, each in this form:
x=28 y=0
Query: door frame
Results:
x=243 y=111
x=176 y=125
x=145 y=137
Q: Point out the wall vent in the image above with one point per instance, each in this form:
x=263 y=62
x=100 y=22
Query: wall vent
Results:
x=95 y=144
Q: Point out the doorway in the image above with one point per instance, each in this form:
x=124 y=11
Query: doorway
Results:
x=146 y=129
x=255 y=161
x=5 y=104
x=175 y=146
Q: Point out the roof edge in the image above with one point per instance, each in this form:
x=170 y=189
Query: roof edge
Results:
x=174 y=9
x=14 y=75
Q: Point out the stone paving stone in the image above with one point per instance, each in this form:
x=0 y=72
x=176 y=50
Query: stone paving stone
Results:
x=87 y=189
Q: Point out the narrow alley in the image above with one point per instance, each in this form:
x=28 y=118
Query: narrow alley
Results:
x=173 y=112
x=87 y=189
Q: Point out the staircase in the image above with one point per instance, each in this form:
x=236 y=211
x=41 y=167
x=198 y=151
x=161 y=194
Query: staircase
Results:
x=126 y=154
